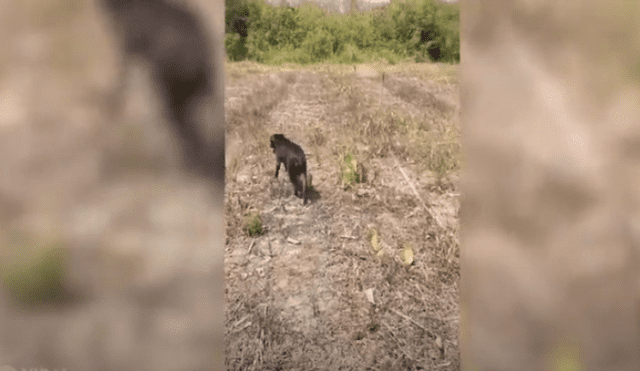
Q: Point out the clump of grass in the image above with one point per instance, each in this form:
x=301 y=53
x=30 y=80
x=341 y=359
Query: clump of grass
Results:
x=253 y=224
x=352 y=171
x=441 y=150
x=384 y=133
x=33 y=271
x=435 y=144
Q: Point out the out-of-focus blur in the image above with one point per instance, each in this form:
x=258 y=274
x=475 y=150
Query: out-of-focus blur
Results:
x=551 y=188
x=111 y=250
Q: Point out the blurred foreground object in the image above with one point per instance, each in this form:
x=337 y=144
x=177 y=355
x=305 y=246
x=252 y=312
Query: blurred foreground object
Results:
x=550 y=215
x=111 y=254
x=173 y=43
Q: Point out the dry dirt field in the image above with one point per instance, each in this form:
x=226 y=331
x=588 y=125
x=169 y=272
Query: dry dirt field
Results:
x=310 y=292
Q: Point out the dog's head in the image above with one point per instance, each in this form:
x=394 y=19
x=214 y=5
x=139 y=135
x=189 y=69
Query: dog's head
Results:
x=275 y=140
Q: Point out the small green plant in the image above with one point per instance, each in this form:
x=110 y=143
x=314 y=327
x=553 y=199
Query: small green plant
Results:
x=33 y=272
x=253 y=224
x=352 y=171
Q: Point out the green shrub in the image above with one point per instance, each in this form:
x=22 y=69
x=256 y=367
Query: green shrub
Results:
x=235 y=46
x=319 y=45
x=420 y=29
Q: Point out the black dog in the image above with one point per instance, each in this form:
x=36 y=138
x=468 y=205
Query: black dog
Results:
x=295 y=162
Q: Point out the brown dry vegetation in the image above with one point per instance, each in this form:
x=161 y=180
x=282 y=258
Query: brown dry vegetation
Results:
x=297 y=293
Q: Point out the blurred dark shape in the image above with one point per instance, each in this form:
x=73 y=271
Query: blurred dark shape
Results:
x=173 y=42
x=237 y=17
x=240 y=26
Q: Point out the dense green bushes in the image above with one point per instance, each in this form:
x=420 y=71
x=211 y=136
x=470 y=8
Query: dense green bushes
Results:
x=420 y=30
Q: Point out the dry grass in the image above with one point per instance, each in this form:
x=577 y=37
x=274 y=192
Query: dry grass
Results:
x=311 y=293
